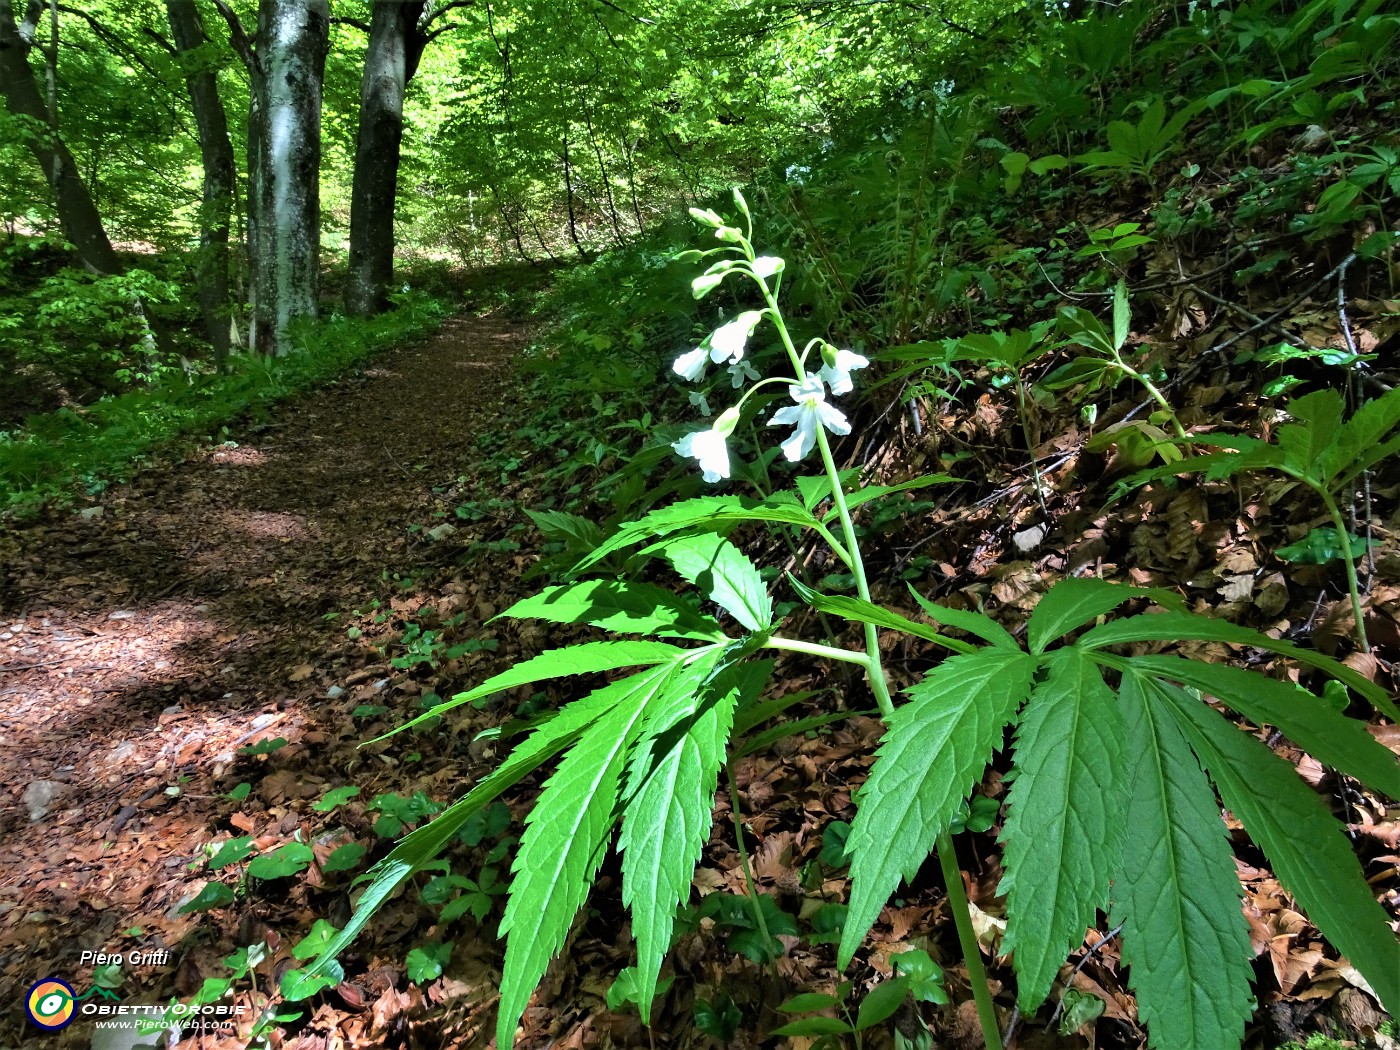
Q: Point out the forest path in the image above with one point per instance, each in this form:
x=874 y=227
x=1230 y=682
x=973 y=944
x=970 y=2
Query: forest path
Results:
x=143 y=641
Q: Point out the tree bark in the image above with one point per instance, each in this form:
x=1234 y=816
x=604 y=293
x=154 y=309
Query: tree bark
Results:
x=396 y=42
x=284 y=164
x=77 y=214
x=216 y=152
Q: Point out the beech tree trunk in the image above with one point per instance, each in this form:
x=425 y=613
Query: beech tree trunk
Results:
x=216 y=152
x=396 y=42
x=77 y=214
x=284 y=164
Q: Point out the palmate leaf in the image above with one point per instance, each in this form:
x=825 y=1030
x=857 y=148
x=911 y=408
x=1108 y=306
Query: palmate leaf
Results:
x=1172 y=626
x=670 y=796
x=722 y=572
x=862 y=611
x=1327 y=735
x=1075 y=601
x=424 y=844
x=1064 y=827
x=624 y=606
x=934 y=750
x=565 y=837
x=1304 y=843
x=558 y=663
x=711 y=511
x=1178 y=896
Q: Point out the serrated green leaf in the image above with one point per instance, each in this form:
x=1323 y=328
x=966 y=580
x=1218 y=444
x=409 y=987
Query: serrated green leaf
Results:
x=335 y=797
x=558 y=663
x=625 y=606
x=231 y=852
x=933 y=752
x=1305 y=845
x=722 y=572
x=1178 y=896
x=1324 y=733
x=563 y=844
x=978 y=624
x=426 y=842
x=670 y=791
x=570 y=528
x=862 y=611
x=881 y=1002
x=1063 y=829
x=1180 y=627
x=710 y=511
x=1073 y=602
x=1321 y=546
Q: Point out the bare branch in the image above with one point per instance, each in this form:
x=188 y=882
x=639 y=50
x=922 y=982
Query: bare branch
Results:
x=429 y=17
x=344 y=20
x=238 y=36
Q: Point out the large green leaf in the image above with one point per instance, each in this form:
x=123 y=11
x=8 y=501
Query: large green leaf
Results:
x=421 y=846
x=1064 y=826
x=1327 y=735
x=705 y=510
x=933 y=752
x=720 y=569
x=1075 y=601
x=565 y=837
x=1304 y=843
x=1177 y=894
x=862 y=611
x=670 y=796
x=1181 y=627
x=625 y=606
x=558 y=663
x=1361 y=442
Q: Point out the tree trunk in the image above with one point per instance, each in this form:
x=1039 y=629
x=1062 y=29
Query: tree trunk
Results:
x=396 y=42
x=284 y=164
x=77 y=214
x=216 y=152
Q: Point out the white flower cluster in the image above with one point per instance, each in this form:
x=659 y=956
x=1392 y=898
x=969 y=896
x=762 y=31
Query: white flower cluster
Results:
x=726 y=346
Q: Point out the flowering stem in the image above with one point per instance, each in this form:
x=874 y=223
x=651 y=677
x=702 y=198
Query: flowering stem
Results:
x=967 y=940
x=874 y=671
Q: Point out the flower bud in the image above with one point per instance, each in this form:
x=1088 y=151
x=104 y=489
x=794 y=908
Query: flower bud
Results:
x=727 y=421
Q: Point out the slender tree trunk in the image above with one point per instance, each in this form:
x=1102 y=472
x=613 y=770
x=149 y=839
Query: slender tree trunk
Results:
x=77 y=214
x=284 y=162
x=396 y=42
x=216 y=152
x=569 y=198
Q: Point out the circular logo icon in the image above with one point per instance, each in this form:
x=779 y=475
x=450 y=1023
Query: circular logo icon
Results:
x=50 y=1004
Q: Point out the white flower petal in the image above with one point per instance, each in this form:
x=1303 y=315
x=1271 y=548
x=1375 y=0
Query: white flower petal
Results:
x=801 y=441
x=741 y=372
x=691 y=365
x=728 y=340
x=838 y=373
x=832 y=418
x=710 y=448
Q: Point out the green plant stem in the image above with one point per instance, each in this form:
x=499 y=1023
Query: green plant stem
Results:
x=831 y=652
x=1030 y=447
x=1151 y=388
x=744 y=857
x=967 y=939
x=1353 y=587
x=875 y=671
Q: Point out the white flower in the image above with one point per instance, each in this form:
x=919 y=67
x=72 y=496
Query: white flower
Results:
x=838 y=372
x=691 y=365
x=811 y=409
x=741 y=372
x=728 y=340
x=708 y=446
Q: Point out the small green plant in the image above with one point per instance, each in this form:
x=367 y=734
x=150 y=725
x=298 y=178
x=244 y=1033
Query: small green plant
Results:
x=1137 y=149
x=1321 y=450
x=1117 y=756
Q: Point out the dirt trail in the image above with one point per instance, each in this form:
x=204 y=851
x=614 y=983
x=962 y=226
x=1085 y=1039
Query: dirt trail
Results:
x=143 y=640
